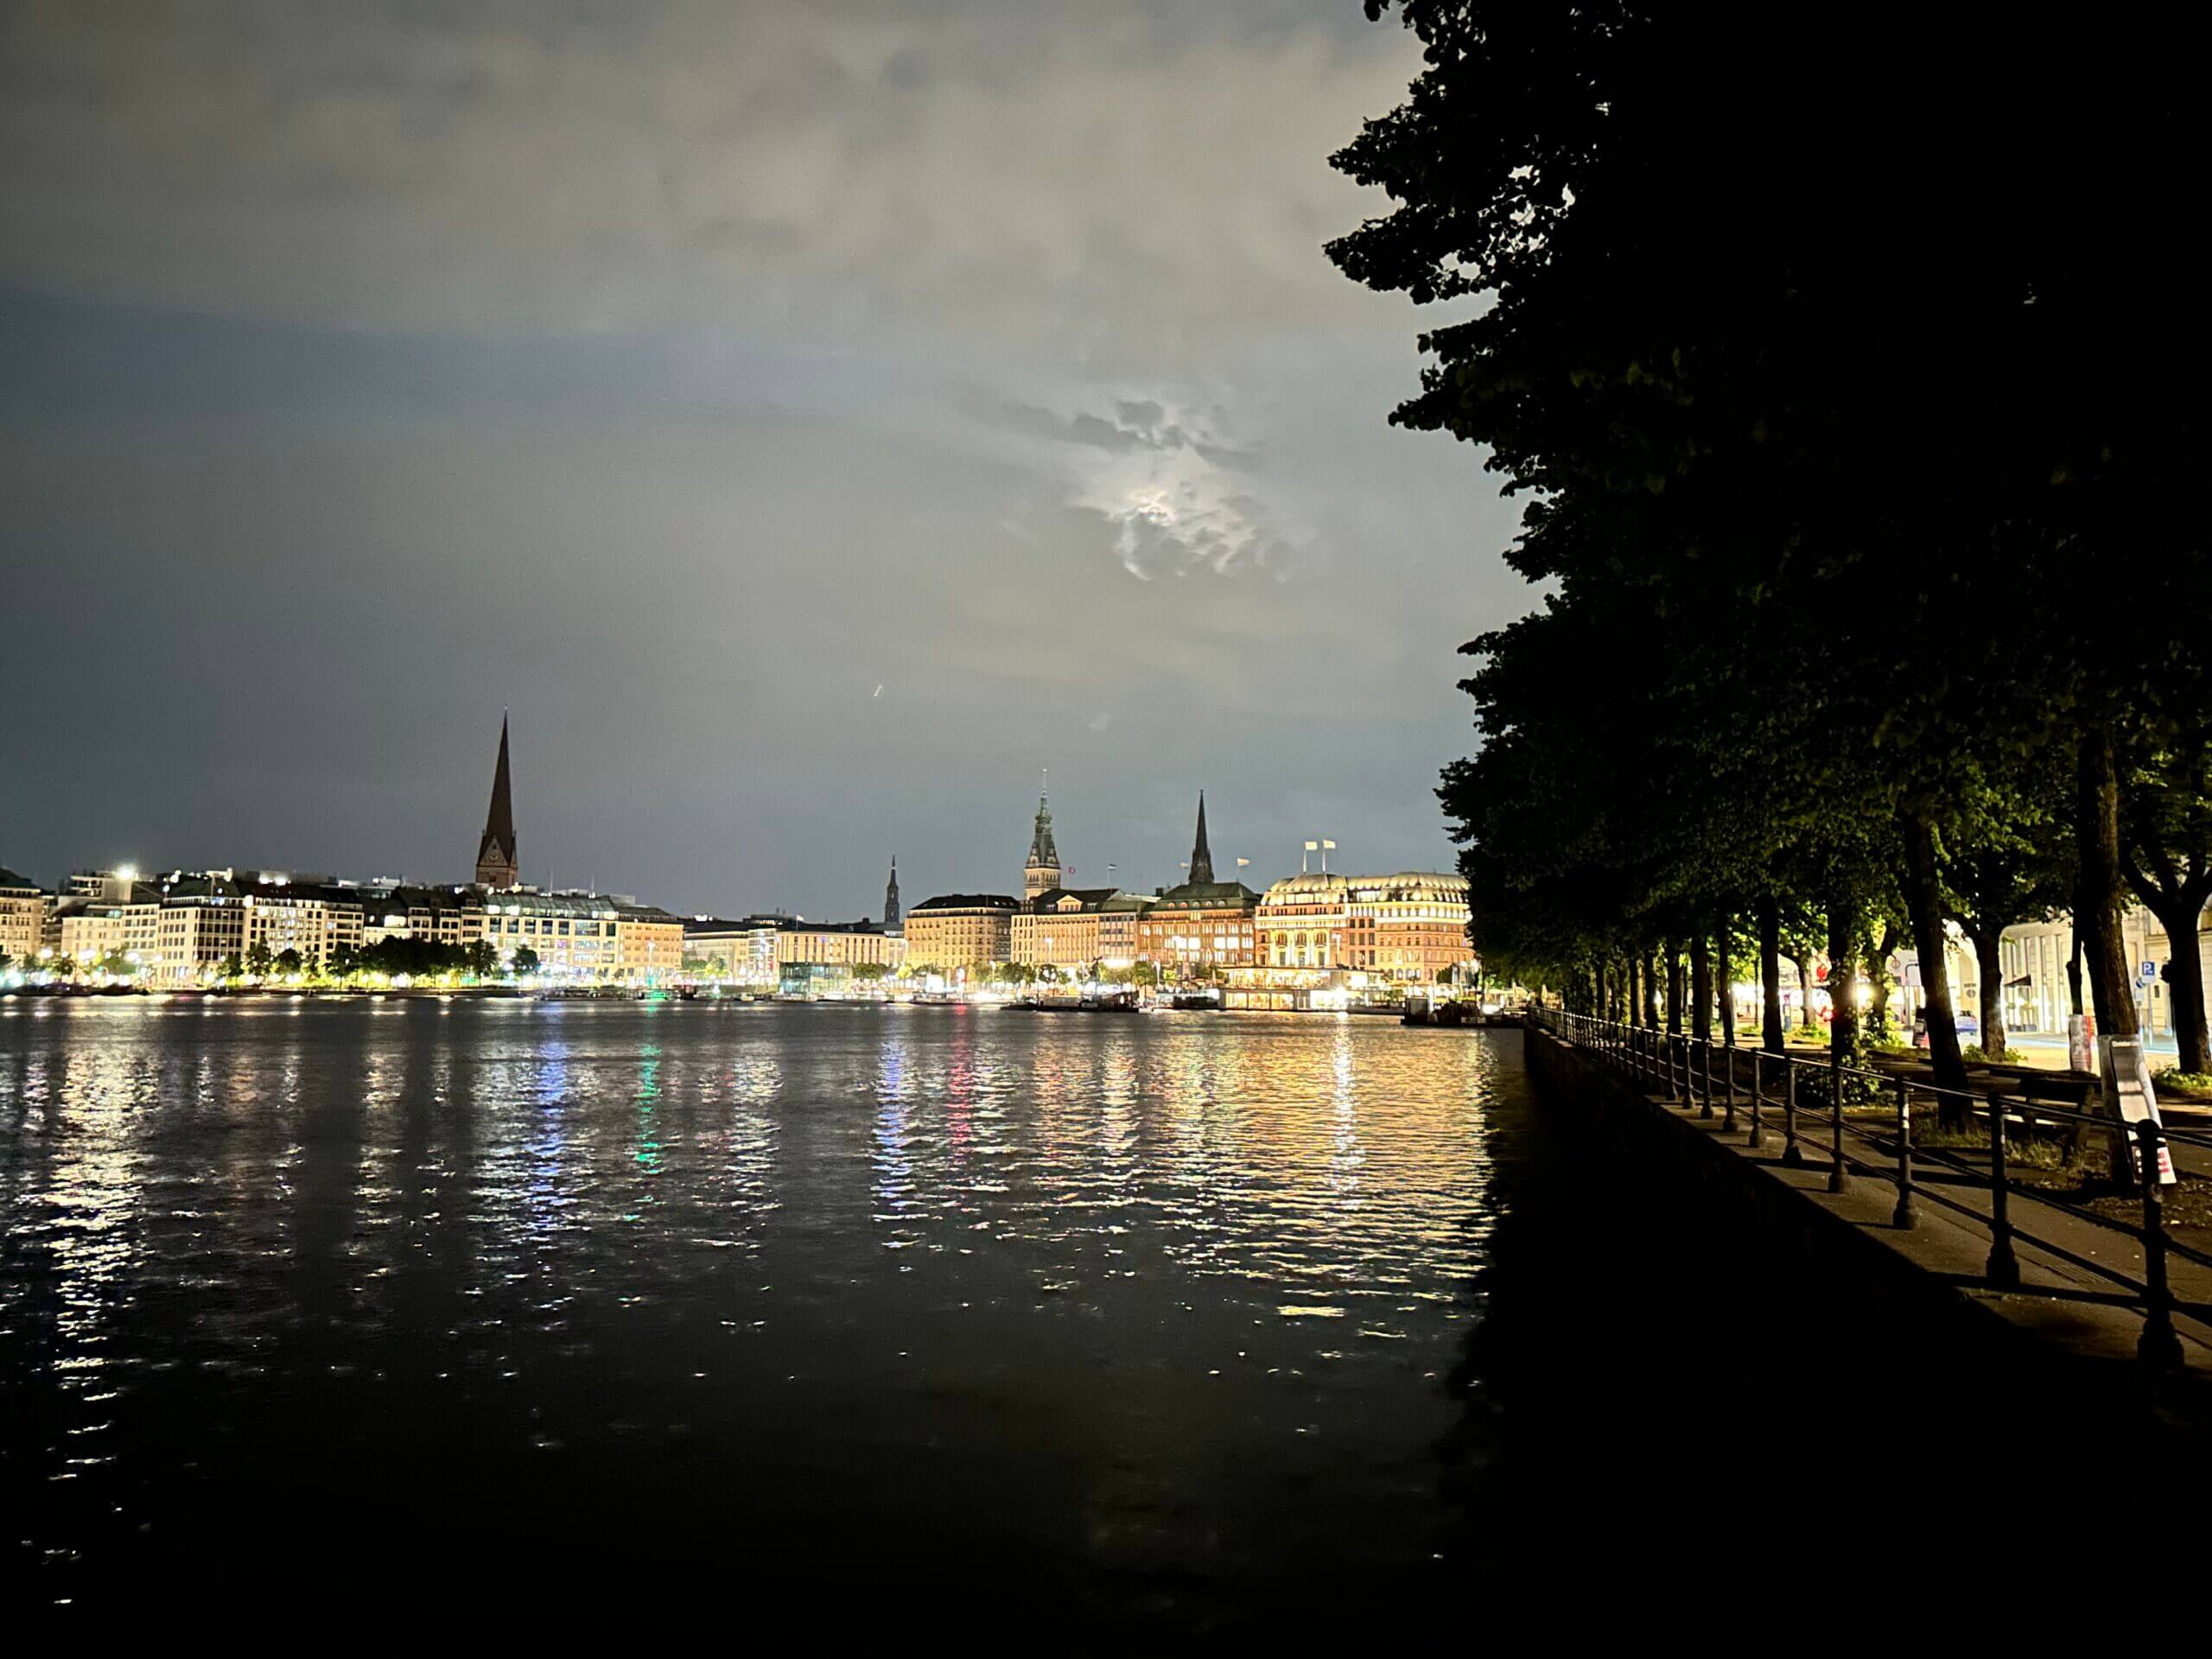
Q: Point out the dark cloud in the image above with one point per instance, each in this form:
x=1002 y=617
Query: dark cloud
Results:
x=676 y=374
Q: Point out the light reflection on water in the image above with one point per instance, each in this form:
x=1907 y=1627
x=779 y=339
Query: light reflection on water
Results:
x=1143 y=1293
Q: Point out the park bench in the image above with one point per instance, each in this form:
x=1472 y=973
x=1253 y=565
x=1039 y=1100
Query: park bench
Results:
x=2017 y=1090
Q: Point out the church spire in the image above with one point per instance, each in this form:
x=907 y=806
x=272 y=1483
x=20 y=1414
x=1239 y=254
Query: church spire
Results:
x=1201 y=856
x=496 y=864
x=1042 y=873
x=890 y=913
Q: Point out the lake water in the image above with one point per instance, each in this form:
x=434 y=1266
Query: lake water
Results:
x=522 y=1309
x=414 y=1321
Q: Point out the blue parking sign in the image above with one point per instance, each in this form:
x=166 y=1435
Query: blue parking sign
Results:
x=2148 y=972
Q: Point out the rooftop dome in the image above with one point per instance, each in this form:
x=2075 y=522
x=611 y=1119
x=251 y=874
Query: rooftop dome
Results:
x=1316 y=881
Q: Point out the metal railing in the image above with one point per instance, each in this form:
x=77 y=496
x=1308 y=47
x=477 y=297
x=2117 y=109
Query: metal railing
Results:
x=1878 y=1140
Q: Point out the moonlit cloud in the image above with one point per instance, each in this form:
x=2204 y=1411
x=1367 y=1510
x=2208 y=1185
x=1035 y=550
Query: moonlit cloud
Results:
x=676 y=372
x=1174 y=493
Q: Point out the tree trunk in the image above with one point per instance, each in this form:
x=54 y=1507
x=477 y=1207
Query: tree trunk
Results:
x=1724 y=973
x=2096 y=899
x=1700 y=988
x=1771 y=975
x=1988 y=956
x=1843 y=976
x=1877 y=965
x=1923 y=902
x=1651 y=992
x=1673 y=988
x=2074 y=969
x=2186 y=976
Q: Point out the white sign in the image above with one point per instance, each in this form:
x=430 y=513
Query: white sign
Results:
x=2081 y=1034
x=2127 y=1091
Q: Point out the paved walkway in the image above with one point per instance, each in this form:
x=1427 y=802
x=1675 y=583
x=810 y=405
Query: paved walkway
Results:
x=2060 y=1299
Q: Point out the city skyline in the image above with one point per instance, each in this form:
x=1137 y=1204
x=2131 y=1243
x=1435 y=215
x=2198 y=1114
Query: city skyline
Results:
x=501 y=838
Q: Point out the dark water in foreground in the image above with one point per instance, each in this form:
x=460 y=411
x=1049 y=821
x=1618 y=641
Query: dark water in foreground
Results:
x=325 y=1320
x=1154 y=1314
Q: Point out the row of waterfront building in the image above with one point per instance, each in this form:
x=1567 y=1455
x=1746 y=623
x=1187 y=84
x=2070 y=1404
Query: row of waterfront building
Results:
x=1314 y=934
x=191 y=927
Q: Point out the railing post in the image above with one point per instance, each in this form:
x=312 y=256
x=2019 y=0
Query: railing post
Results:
x=1903 y=1215
x=1793 y=1155
x=1757 y=1138
x=2003 y=1271
x=1838 y=1181
x=1728 y=1114
x=2158 y=1345
x=1705 y=1056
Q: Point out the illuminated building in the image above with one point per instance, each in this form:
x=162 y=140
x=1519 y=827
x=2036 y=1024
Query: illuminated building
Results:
x=648 y=944
x=843 y=945
x=1403 y=929
x=448 y=916
x=1410 y=928
x=119 y=920
x=572 y=935
x=91 y=929
x=743 y=952
x=1066 y=928
x=1118 y=921
x=199 y=929
x=962 y=931
x=23 y=918
x=1202 y=926
x=312 y=918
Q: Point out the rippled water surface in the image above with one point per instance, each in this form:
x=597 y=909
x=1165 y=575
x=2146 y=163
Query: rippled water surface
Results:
x=1153 y=1313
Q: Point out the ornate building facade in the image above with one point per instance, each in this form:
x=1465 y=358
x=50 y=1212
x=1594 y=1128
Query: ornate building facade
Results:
x=1203 y=926
x=1405 y=929
x=1042 y=875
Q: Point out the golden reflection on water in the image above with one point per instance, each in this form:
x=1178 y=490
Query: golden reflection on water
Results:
x=885 y=1205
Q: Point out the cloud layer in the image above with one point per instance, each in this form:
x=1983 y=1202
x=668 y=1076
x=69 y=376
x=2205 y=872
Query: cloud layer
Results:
x=681 y=373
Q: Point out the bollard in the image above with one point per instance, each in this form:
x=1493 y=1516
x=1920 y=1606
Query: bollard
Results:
x=2158 y=1345
x=1903 y=1215
x=2003 y=1271
x=1838 y=1181
x=1793 y=1156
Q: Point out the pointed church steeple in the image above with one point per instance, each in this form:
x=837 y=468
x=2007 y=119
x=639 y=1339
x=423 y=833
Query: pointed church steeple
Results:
x=1042 y=873
x=496 y=863
x=1201 y=856
x=891 y=922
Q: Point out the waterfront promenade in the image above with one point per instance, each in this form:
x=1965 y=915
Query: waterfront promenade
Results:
x=2080 y=1287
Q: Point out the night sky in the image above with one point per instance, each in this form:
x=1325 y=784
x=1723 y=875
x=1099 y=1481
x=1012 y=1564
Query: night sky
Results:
x=810 y=420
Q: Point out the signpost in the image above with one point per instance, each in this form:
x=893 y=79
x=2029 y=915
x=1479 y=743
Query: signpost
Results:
x=2127 y=1091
